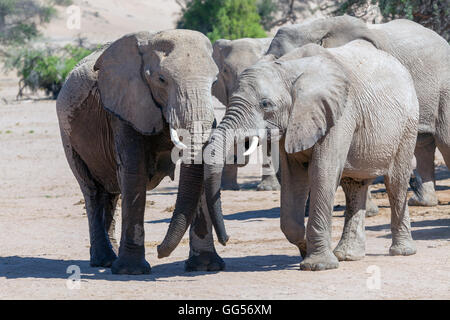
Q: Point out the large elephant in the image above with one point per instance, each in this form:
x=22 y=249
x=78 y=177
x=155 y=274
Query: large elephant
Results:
x=349 y=112
x=422 y=51
x=232 y=57
x=119 y=112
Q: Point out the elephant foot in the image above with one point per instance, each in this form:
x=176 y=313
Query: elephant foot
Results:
x=323 y=261
x=102 y=257
x=428 y=200
x=268 y=183
x=230 y=186
x=405 y=247
x=371 y=208
x=346 y=252
x=130 y=265
x=205 y=261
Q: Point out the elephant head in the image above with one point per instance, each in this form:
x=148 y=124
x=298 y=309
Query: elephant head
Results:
x=327 y=32
x=302 y=96
x=232 y=57
x=155 y=80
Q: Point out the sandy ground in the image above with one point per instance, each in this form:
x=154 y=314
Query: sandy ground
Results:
x=106 y=20
x=43 y=231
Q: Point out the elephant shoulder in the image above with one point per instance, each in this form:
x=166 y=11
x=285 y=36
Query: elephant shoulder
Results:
x=79 y=84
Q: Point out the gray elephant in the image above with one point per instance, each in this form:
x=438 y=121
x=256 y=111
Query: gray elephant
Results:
x=345 y=115
x=422 y=51
x=232 y=57
x=119 y=112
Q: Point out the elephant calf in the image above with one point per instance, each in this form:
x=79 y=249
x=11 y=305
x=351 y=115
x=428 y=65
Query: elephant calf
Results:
x=346 y=115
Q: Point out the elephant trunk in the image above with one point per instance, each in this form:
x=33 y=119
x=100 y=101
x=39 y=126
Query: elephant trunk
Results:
x=189 y=191
x=221 y=143
x=196 y=117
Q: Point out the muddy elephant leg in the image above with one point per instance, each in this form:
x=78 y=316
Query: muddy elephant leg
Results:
x=352 y=245
x=269 y=180
x=100 y=207
x=423 y=186
x=294 y=195
x=202 y=253
x=132 y=176
x=229 y=177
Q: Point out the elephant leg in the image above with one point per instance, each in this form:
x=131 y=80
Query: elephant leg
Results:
x=100 y=207
x=202 y=253
x=371 y=207
x=229 y=177
x=424 y=182
x=269 y=180
x=110 y=222
x=325 y=170
x=443 y=127
x=396 y=186
x=352 y=245
x=132 y=174
x=294 y=195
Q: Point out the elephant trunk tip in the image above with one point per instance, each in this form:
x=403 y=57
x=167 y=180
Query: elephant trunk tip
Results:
x=223 y=240
x=163 y=252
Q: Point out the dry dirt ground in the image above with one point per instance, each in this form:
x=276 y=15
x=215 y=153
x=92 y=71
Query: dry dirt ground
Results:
x=43 y=231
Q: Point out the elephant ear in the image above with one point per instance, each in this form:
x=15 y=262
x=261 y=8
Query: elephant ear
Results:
x=319 y=98
x=122 y=86
x=218 y=89
x=218 y=47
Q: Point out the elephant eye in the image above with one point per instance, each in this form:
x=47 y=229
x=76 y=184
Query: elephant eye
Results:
x=161 y=79
x=266 y=103
x=320 y=42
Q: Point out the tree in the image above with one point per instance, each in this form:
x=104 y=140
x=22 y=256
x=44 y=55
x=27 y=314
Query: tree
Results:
x=19 y=19
x=44 y=68
x=433 y=14
x=229 y=19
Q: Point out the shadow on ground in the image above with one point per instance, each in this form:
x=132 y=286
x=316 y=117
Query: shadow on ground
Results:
x=252 y=215
x=15 y=267
x=431 y=229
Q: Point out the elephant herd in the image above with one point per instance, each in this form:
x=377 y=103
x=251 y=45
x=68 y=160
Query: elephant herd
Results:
x=348 y=101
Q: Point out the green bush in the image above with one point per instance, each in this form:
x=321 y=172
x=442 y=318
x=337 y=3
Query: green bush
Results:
x=229 y=19
x=44 y=69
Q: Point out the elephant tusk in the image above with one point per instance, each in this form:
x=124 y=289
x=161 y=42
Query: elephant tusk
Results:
x=176 y=141
x=253 y=146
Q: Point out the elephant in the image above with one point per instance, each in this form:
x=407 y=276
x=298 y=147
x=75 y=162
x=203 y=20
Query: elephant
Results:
x=119 y=112
x=422 y=51
x=232 y=57
x=345 y=116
